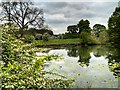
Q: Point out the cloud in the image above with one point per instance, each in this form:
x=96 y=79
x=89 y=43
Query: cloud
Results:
x=76 y=0
x=59 y=15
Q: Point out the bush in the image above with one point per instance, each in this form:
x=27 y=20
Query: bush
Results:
x=70 y=35
x=103 y=37
x=38 y=37
x=21 y=69
x=29 y=38
x=45 y=37
x=87 y=38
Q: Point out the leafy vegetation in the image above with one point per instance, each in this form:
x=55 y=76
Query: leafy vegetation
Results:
x=29 y=38
x=97 y=28
x=38 y=37
x=21 y=68
x=114 y=26
x=83 y=25
x=72 y=29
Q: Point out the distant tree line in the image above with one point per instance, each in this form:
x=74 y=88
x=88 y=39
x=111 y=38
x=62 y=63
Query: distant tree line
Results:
x=82 y=29
x=83 y=25
x=25 y=15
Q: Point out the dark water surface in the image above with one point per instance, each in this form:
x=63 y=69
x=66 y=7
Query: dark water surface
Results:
x=89 y=66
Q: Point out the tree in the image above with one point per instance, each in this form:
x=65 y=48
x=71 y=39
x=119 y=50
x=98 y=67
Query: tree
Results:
x=84 y=37
x=72 y=29
x=97 y=28
x=114 y=26
x=83 y=25
x=103 y=37
x=23 y=14
x=7 y=7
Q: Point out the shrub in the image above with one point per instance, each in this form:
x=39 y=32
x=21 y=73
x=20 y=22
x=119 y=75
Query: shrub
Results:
x=38 y=37
x=45 y=37
x=103 y=37
x=70 y=35
x=87 y=38
x=29 y=38
x=21 y=69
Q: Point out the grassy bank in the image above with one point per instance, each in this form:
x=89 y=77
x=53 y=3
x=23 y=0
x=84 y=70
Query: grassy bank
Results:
x=57 y=42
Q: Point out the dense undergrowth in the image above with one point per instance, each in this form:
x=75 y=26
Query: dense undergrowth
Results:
x=20 y=67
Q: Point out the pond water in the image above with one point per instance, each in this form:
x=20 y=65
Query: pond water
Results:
x=89 y=66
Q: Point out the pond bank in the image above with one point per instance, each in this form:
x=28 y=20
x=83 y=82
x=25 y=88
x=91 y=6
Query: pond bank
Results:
x=56 y=42
x=60 y=42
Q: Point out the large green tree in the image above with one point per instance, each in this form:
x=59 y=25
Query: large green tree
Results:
x=72 y=29
x=114 y=26
x=83 y=25
x=97 y=28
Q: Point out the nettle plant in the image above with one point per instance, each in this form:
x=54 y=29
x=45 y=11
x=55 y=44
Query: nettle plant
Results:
x=20 y=67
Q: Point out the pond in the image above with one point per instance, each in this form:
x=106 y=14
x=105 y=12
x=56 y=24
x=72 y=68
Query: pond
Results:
x=89 y=66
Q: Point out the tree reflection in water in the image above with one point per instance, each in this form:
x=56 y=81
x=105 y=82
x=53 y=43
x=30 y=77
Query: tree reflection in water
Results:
x=114 y=61
x=112 y=54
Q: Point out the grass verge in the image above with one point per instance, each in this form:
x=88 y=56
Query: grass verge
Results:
x=56 y=42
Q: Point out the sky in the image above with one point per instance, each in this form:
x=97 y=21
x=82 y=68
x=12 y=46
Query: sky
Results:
x=59 y=14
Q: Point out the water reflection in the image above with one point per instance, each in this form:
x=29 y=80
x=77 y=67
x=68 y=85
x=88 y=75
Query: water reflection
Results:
x=84 y=53
x=114 y=61
x=90 y=66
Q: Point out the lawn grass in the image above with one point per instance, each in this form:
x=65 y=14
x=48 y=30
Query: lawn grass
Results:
x=57 y=42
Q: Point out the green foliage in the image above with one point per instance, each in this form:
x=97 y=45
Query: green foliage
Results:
x=83 y=25
x=87 y=38
x=7 y=53
x=72 y=29
x=70 y=35
x=84 y=36
x=103 y=37
x=97 y=28
x=31 y=31
x=94 y=40
x=20 y=68
x=45 y=37
x=114 y=60
x=44 y=30
x=29 y=38
x=114 y=26
x=56 y=42
x=38 y=37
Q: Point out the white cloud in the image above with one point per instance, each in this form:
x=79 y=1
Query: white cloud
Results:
x=59 y=15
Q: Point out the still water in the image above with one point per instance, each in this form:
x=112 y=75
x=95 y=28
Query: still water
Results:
x=89 y=66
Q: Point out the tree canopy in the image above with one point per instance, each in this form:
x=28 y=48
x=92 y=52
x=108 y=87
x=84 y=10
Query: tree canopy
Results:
x=97 y=28
x=72 y=29
x=83 y=25
x=114 y=26
x=23 y=14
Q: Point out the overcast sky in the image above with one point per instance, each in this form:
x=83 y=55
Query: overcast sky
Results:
x=59 y=15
